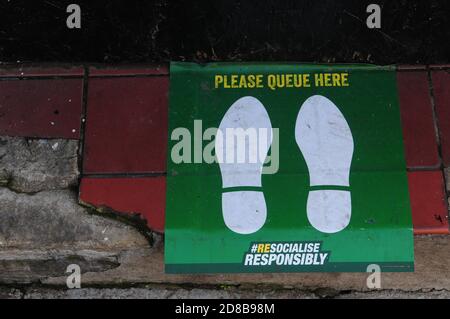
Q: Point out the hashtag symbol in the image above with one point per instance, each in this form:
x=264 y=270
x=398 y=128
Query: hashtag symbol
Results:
x=254 y=248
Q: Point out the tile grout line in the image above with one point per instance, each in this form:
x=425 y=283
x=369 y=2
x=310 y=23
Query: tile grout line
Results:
x=438 y=138
x=435 y=118
x=423 y=168
x=65 y=77
x=124 y=175
x=109 y=76
x=434 y=113
x=83 y=121
x=40 y=77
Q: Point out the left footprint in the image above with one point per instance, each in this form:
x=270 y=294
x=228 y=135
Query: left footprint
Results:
x=242 y=143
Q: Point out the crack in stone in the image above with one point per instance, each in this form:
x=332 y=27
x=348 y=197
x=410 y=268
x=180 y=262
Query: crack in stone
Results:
x=132 y=220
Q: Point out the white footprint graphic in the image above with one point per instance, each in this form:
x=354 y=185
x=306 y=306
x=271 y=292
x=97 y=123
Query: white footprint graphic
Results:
x=326 y=142
x=241 y=163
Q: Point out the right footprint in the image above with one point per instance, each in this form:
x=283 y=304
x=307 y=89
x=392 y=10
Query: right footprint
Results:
x=326 y=142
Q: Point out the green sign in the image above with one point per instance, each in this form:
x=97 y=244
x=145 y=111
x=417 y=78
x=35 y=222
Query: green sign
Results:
x=285 y=168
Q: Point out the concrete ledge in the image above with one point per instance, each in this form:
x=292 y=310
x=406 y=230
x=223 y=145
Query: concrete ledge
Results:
x=145 y=266
x=195 y=293
x=23 y=267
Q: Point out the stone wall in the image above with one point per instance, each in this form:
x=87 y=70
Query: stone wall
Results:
x=43 y=228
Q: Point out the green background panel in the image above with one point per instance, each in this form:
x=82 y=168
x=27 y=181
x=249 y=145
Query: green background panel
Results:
x=380 y=230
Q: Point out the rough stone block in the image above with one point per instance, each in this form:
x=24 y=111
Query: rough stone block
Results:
x=53 y=219
x=160 y=293
x=33 y=165
x=41 y=234
x=10 y=293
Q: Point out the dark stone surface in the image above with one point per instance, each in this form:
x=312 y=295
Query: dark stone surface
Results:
x=158 y=293
x=10 y=293
x=169 y=292
x=413 y=31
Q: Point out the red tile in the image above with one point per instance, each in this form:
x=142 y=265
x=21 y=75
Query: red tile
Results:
x=143 y=195
x=128 y=70
x=41 y=108
x=417 y=120
x=441 y=89
x=428 y=202
x=126 y=125
x=41 y=71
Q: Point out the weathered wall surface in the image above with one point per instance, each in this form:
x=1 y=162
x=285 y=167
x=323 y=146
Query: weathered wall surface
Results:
x=43 y=229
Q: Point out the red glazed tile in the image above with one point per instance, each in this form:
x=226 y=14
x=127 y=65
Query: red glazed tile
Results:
x=128 y=70
x=126 y=125
x=145 y=196
x=417 y=120
x=41 y=108
x=428 y=202
x=441 y=89
x=40 y=71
